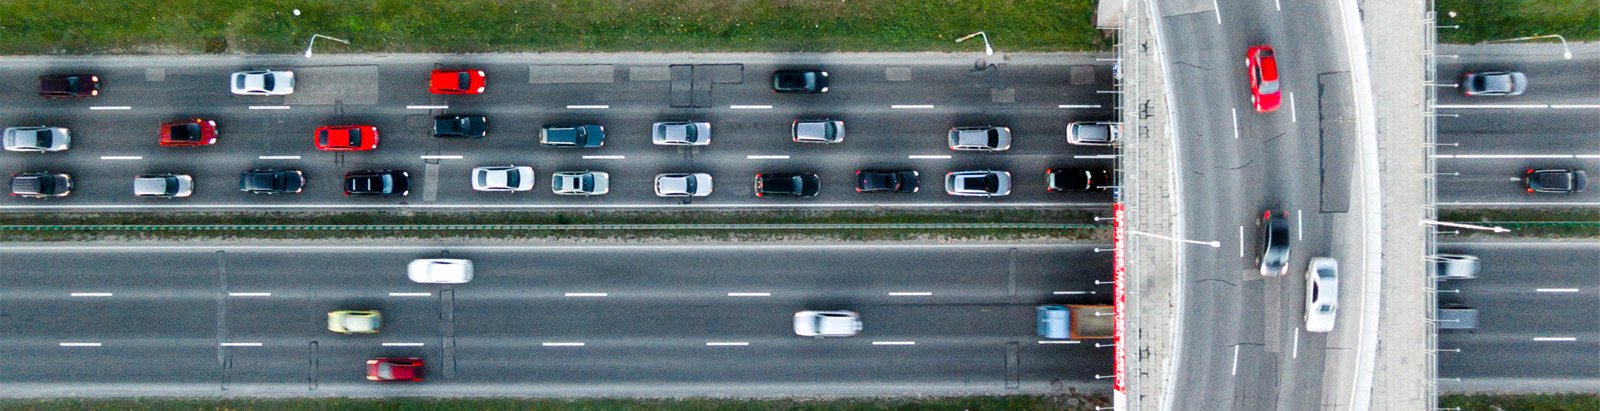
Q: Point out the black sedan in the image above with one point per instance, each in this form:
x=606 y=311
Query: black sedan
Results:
x=1555 y=181
x=887 y=181
x=800 y=81
x=460 y=126
x=377 y=183
x=1274 y=243
x=69 y=86
x=272 y=181
x=787 y=185
x=1082 y=180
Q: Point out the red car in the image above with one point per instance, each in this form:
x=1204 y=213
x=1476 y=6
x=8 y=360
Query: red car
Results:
x=456 y=82
x=1265 y=90
x=346 y=138
x=395 y=369
x=196 y=132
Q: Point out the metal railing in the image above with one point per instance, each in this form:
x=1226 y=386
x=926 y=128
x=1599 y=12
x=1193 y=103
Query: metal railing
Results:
x=528 y=227
x=1430 y=189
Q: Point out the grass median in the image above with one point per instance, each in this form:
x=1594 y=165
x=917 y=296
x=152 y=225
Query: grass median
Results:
x=1521 y=402
x=1549 y=223
x=1065 y=401
x=1484 y=20
x=473 y=26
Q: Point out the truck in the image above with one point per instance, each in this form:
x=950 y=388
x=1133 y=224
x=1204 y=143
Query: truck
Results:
x=1077 y=322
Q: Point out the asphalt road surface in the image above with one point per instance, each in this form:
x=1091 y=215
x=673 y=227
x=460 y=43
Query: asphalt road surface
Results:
x=1243 y=346
x=1537 y=325
x=897 y=110
x=1487 y=142
x=557 y=320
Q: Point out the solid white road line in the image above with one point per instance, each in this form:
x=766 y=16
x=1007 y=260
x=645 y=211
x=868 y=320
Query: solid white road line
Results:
x=1058 y=342
x=749 y=294
x=91 y=294
x=1296 y=352
x=1278 y=4
x=1077 y=106
x=241 y=344
x=110 y=108
x=562 y=344
x=277 y=157
x=410 y=294
x=1068 y=292
x=1511 y=156
x=121 y=157
x=604 y=157
x=1518 y=106
x=402 y=344
x=749 y=107
x=1557 y=290
x=269 y=107
x=586 y=294
x=1241 y=241
x=1097 y=156
x=1217 y=9
x=1235 y=120
x=249 y=294
x=1575 y=106
x=1293 y=116
x=426 y=107
x=1300 y=225
x=80 y=344
x=727 y=343
x=588 y=107
x=1555 y=339
x=910 y=294
x=911 y=106
x=1236 y=360
x=442 y=157
x=766 y=157
x=929 y=156
x=894 y=343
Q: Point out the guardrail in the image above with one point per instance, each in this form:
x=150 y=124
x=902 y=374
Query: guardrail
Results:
x=527 y=227
x=1430 y=129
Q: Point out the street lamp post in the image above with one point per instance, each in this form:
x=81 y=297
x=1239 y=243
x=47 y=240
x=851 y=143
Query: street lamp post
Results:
x=1213 y=244
x=314 y=42
x=1566 y=52
x=987 y=50
x=1437 y=223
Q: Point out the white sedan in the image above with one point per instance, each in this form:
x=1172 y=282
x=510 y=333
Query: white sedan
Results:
x=262 y=83
x=1322 y=294
x=827 y=323
x=440 y=270
x=502 y=178
x=683 y=185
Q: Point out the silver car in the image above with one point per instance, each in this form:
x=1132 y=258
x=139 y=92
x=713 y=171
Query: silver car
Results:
x=986 y=138
x=163 y=185
x=980 y=183
x=818 y=131
x=827 y=323
x=1494 y=83
x=580 y=183
x=1093 y=133
x=262 y=83
x=1456 y=266
x=502 y=178
x=681 y=133
x=37 y=139
x=683 y=185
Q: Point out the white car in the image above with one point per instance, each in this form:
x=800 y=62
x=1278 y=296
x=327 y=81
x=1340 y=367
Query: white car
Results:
x=1322 y=294
x=980 y=183
x=817 y=131
x=354 y=321
x=827 y=323
x=440 y=270
x=163 y=185
x=1456 y=266
x=262 y=83
x=681 y=133
x=580 y=183
x=683 y=185
x=986 y=138
x=37 y=139
x=502 y=178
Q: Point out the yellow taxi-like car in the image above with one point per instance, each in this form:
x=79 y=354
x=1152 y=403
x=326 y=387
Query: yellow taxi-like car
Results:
x=354 y=322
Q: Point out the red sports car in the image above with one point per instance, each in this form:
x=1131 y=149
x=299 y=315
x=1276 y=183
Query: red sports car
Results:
x=1265 y=90
x=395 y=369
x=456 y=82
x=195 y=132
x=346 y=138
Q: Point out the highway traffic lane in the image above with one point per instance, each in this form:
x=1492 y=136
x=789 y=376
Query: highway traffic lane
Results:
x=1531 y=298
x=582 y=319
x=1498 y=181
x=1515 y=357
x=1551 y=80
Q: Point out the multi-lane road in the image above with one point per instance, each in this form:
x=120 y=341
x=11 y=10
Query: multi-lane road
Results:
x=545 y=320
x=897 y=111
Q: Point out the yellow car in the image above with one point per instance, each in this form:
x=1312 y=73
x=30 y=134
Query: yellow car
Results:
x=354 y=322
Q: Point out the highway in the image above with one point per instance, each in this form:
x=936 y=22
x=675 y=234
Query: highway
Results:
x=656 y=320
x=897 y=111
x=1487 y=142
x=1537 y=329
x=1242 y=346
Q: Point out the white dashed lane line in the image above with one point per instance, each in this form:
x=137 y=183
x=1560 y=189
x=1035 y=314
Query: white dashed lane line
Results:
x=911 y=106
x=758 y=157
x=121 y=157
x=249 y=294
x=588 y=107
x=929 y=156
x=604 y=157
x=910 y=294
x=427 y=107
x=1077 y=106
x=269 y=107
x=562 y=344
x=1058 y=342
x=91 y=294
x=241 y=344
x=749 y=107
x=442 y=157
x=1557 y=290
x=410 y=294
x=727 y=343
x=894 y=343
x=80 y=344
x=278 y=157
x=111 y=108
x=586 y=294
x=403 y=344
x=1555 y=339
x=749 y=294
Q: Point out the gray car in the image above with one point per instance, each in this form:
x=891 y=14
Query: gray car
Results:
x=41 y=184
x=680 y=133
x=986 y=138
x=1494 y=83
x=979 y=183
x=37 y=139
x=163 y=185
x=580 y=183
x=580 y=136
x=1093 y=133
x=818 y=131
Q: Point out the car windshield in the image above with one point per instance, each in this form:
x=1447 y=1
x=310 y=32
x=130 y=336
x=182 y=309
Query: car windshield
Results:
x=513 y=178
x=238 y=82
x=355 y=137
x=994 y=138
x=185 y=132
x=690 y=184
x=267 y=81
x=690 y=132
x=172 y=184
x=385 y=371
x=388 y=183
x=1269 y=87
x=44 y=138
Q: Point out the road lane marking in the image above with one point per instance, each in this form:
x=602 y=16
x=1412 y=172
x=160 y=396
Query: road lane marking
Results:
x=1077 y=106
x=410 y=294
x=1293 y=117
x=1278 y=4
x=111 y=108
x=910 y=294
x=1241 y=241
x=586 y=294
x=727 y=343
x=241 y=344
x=80 y=344
x=604 y=157
x=1069 y=292
x=929 y=156
x=562 y=344
x=1058 y=342
x=1296 y=352
x=1557 y=290
x=1300 y=224
x=1235 y=120
x=909 y=106
x=766 y=157
x=249 y=294
x=1556 y=339
x=269 y=107
x=894 y=343
x=749 y=107
x=1218 y=9
x=1508 y=156
x=1575 y=106
x=1236 y=360
x=588 y=106
x=1512 y=106
x=121 y=157
x=442 y=157
x=277 y=157
x=402 y=344
x=426 y=107
x=91 y=294
x=749 y=294
x=1097 y=156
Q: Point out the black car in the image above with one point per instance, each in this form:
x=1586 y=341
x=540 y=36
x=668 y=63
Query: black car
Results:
x=377 y=183
x=1274 y=243
x=460 y=126
x=787 y=185
x=800 y=81
x=272 y=181
x=1555 y=181
x=584 y=136
x=41 y=184
x=69 y=86
x=1083 y=180
x=887 y=181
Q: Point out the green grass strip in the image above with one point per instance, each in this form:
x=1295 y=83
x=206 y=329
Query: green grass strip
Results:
x=1486 y=20
x=1521 y=402
x=1549 y=223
